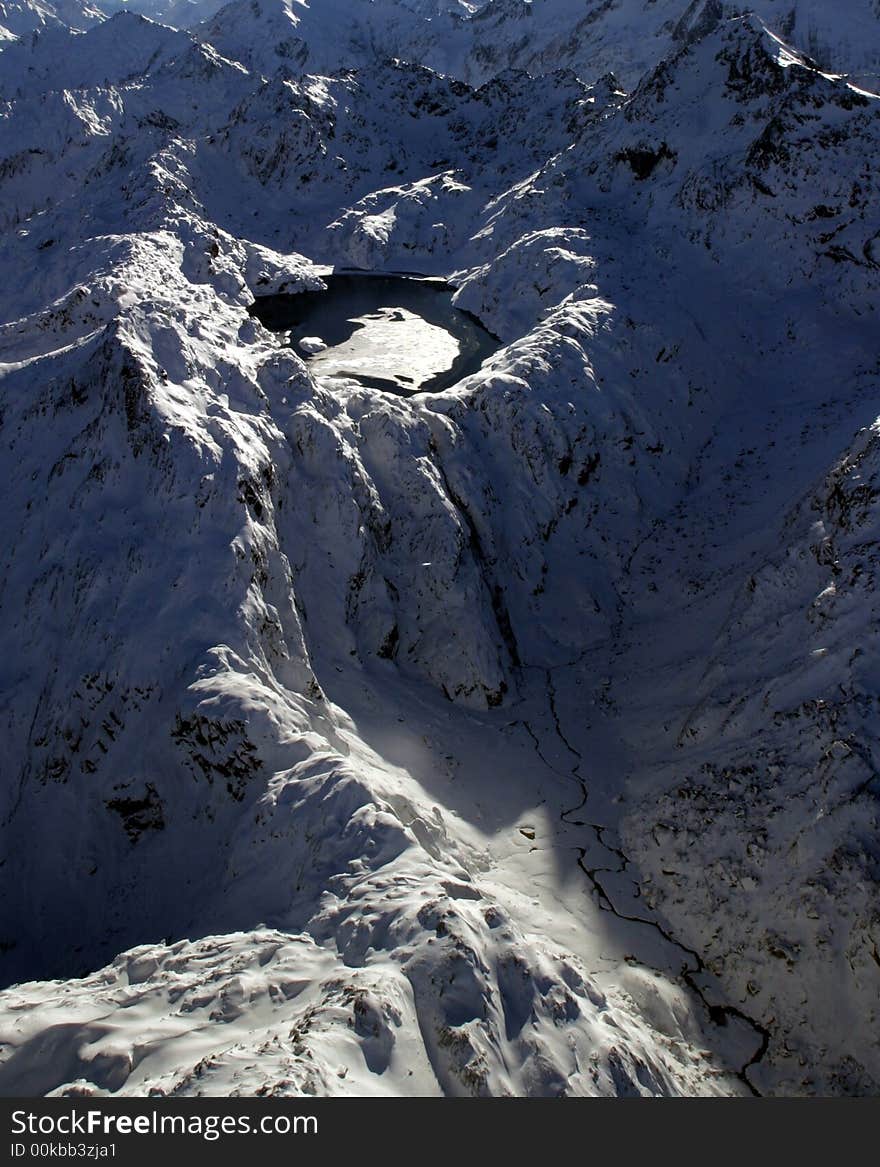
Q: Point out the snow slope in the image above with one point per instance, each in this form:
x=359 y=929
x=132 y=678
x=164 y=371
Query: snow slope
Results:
x=540 y=36
x=458 y=743
x=476 y=41
x=22 y=18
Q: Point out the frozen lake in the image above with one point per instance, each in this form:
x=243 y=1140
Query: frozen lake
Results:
x=392 y=332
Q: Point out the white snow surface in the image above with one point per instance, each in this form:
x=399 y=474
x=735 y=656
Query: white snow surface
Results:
x=390 y=338
x=512 y=740
x=476 y=41
x=22 y=18
x=311 y=345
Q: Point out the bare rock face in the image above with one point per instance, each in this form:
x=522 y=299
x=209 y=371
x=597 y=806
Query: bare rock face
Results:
x=515 y=739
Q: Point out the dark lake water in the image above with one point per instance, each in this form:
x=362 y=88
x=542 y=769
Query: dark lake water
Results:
x=392 y=332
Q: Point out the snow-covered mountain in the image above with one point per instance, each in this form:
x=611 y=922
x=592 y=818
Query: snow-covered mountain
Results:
x=540 y=36
x=21 y=18
x=515 y=739
x=475 y=41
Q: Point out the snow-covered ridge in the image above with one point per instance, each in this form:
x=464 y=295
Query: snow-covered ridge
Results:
x=367 y=692
x=540 y=36
x=475 y=41
x=23 y=18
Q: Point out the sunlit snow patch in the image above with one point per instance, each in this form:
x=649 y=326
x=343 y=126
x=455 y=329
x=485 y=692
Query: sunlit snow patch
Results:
x=393 y=344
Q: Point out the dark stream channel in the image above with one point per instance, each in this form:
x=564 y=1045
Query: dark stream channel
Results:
x=398 y=333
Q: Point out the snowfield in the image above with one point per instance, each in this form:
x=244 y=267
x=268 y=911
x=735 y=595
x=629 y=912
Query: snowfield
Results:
x=516 y=739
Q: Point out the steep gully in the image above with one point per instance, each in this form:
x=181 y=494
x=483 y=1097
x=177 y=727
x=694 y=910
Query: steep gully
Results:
x=692 y=966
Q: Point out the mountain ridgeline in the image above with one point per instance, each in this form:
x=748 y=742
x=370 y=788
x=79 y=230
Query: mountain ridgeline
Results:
x=516 y=736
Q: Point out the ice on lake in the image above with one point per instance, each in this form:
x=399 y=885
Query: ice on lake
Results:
x=396 y=333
